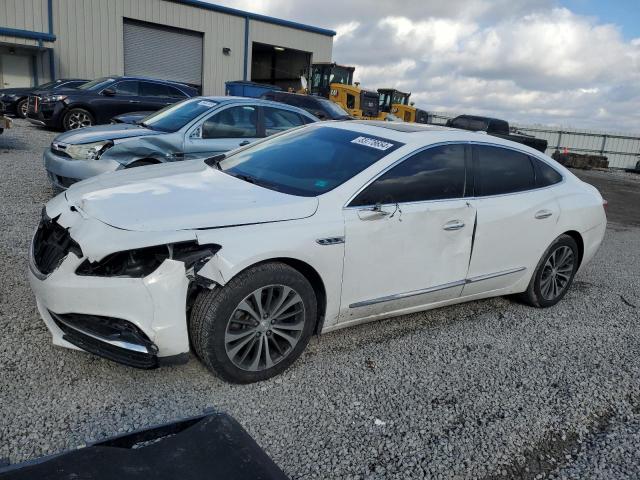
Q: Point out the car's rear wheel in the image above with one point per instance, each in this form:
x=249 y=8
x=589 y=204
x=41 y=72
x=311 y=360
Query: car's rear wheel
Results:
x=257 y=325
x=77 y=118
x=554 y=273
x=21 y=108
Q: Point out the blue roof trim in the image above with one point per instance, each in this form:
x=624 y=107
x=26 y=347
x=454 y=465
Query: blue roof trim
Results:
x=13 y=32
x=255 y=16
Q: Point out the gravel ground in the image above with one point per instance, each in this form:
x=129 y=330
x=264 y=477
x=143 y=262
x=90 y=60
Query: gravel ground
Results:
x=489 y=390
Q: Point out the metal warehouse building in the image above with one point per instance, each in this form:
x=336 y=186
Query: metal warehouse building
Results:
x=189 y=41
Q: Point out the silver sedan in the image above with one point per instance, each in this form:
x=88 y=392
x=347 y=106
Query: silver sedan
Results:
x=195 y=128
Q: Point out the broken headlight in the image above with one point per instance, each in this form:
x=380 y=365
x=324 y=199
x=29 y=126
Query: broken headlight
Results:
x=141 y=262
x=88 y=151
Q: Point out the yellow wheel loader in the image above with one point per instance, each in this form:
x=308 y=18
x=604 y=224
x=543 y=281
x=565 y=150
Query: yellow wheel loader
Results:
x=397 y=103
x=335 y=82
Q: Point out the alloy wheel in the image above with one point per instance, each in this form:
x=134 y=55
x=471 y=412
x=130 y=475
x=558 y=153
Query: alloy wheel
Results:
x=78 y=120
x=557 y=272
x=265 y=327
x=23 y=109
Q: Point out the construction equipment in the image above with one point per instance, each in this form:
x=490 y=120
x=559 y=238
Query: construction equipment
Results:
x=397 y=103
x=335 y=82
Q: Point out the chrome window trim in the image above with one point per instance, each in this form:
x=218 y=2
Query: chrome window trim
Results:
x=488 y=276
x=463 y=142
x=437 y=288
x=398 y=296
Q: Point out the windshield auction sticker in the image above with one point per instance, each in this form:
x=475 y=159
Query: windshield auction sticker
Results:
x=204 y=103
x=373 y=143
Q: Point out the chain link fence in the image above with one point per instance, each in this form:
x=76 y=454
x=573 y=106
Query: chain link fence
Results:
x=622 y=150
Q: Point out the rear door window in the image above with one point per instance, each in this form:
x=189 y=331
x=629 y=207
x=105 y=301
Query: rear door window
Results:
x=127 y=88
x=546 y=175
x=175 y=92
x=149 y=89
x=278 y=120
x=234 y=122
x=500 y=170
x=434 y=174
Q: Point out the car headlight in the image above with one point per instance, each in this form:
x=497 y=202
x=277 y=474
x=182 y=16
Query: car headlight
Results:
x=88 y=151
x=53 y=98
x=141 y=262
x=9 y=97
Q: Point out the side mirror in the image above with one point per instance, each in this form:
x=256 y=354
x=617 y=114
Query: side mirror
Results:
x=108 y=92
x=320 y=114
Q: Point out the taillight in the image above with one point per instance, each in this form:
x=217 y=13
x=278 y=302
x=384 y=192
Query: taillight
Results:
x=605 y=203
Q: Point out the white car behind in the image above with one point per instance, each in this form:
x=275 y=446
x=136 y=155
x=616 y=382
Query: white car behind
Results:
x=246 y=256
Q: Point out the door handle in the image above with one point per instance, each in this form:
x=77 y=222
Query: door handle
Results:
x=134 y=101
x=453 y=225
x=242 y=144
x=540 y=214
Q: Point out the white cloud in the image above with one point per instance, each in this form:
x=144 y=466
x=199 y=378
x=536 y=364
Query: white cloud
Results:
x=523 y=60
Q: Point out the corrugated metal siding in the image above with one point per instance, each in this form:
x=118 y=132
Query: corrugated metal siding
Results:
x=90 y=37
x=319 y=45
x=24 y=15
x=177 y=53
x=621 y=149
x=18 y=41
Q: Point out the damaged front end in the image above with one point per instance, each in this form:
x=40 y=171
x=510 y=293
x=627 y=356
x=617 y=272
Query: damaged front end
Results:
x=141 y=262
x=129 y=306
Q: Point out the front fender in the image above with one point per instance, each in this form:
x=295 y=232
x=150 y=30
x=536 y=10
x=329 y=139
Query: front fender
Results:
x=127 y=151
x=245 y=246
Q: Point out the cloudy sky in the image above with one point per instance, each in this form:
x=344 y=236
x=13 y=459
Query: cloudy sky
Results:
x=554 y=62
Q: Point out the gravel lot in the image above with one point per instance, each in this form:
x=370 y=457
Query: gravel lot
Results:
x=488 y=390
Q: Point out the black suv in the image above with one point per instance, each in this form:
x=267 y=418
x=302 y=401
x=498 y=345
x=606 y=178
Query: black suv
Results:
x=98 y=101
x=320 y=107
x=15 y=99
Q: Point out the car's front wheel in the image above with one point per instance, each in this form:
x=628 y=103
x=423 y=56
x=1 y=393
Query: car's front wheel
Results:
x=554 y=273
x=255 y=326
x=21 y=108
x=77 y=118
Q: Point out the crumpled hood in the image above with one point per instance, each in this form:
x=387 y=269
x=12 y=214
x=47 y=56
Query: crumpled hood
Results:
x=182 y=196
x=104 y=132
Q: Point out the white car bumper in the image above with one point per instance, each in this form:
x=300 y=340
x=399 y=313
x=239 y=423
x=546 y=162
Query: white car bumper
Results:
x=82 y=311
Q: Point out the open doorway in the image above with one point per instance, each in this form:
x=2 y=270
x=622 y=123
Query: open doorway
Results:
x=278 y=65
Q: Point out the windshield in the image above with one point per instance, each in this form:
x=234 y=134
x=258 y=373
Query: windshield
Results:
x=173 y=117
x=96 y=84
x=340 y=75
x=335 y=109
x=44 y=86
x=400 y=98
x=308 y=162
x=385 y=100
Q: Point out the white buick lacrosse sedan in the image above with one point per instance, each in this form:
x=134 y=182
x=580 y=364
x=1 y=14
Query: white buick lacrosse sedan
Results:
x=245 y=256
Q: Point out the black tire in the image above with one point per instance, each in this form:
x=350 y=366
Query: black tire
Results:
x=536 y=294
x=77 y=118
x=211 y=320
x=141 y=163
x=21 y=108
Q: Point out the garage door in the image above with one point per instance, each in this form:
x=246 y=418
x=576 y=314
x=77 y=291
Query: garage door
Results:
x=162 y=52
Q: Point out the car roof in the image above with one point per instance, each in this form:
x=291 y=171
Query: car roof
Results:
x=418 y=134
x=149 y=79
x=255 y=101
x=276 y=94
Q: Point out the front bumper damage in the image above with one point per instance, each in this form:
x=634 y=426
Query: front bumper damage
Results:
x=141 y=322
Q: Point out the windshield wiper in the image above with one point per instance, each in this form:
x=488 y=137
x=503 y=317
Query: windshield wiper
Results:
x=246 y=178
x=215 y=160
